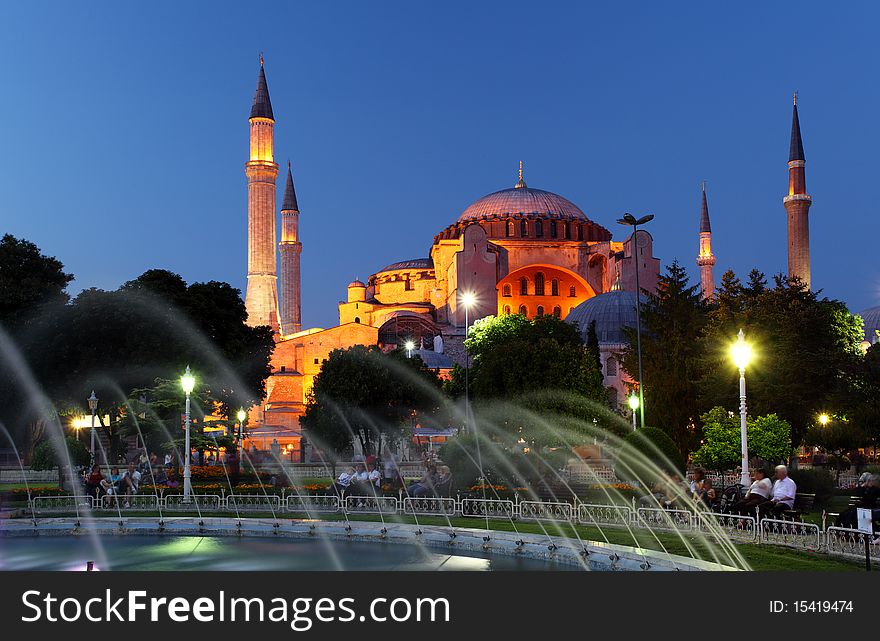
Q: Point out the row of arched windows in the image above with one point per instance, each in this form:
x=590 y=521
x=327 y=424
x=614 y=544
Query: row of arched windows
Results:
x=539 y=311
x=537 y=228
x=540 y=287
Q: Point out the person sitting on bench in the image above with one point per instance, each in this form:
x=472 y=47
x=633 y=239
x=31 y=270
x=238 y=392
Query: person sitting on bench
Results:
x=782 y=496
x=758 y=493
x=869 y=497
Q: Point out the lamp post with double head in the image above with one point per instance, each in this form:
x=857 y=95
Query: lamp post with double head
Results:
x=187 y=382
x=632 y=221
x=742 y=354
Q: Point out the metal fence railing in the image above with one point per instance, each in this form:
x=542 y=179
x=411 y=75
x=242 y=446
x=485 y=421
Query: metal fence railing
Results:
x=805 y=536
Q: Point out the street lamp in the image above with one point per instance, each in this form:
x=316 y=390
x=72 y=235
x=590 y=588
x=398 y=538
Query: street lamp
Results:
x=742 y=354
x=823 y=419
x=467 y=299
x=241 y=415
x=632 y=221
x=93 y=406
x=634 y=405
x=410 y=346
x=187 y=382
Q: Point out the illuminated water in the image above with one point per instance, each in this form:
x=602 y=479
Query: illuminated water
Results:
x=215 y=553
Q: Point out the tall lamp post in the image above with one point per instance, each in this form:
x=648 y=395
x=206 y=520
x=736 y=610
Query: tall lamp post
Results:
x=632 y=221
x=634 y=405
x=241 y=416
x=93 y=406
x=742 y=354
x=187 y=382
x=467 y=299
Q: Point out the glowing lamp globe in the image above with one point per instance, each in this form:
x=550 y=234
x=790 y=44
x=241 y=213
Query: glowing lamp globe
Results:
x=241 y=415
x=742 y=351
x=410 y=346
x=634 y=402
x=823 y=419
x=468 y=299
x=187 y=381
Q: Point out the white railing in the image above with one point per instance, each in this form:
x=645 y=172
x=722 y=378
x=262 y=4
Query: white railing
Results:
x=847 y=542
x=545 y=511
x=196 y=502
x=807 y=536
x=483 y=508
x=309 y=504
x=430 y=506
x=797 y=534
x=658 y=518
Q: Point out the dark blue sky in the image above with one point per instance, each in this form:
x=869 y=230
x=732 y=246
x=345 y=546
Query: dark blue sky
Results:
x=125 y=129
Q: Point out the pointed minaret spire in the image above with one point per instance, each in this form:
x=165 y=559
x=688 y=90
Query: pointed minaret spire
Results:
x=291 y=249
x=706 y=259
x=797 y=204
x=520 y=184
x=262 y=107
x=289 y=202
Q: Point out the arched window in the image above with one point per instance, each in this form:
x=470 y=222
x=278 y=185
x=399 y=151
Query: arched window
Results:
x=570 y=310
x=613 y=398
x=523 y=310
x=553 y=231
x=540 y=311
x=357 y=319
x=506 y=310
x=572 y=291
x=611 y=366
x=557 y=311
x=539 y=284
x=554 y=287
x=580 y=232
x=524 y=228
x=511 y=229
x=567 y=231
x=539 y=229
x=505 y=291
x=523 y=286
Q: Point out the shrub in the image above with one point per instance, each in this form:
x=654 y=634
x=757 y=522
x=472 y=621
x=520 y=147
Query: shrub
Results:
x=645 y=449
x=814 y=481
x=47 y=458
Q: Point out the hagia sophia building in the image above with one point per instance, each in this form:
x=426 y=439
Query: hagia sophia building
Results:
x=519 y=250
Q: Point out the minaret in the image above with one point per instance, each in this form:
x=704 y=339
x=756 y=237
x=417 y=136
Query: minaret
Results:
x=261 y=299
x=291 y=248
x=706 y=259
x=797 y=205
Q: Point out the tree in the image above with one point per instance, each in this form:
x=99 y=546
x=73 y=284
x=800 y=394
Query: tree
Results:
x=47 y=457
x=672 y=323
x=769 y=439
x=647 y=453
x=29 y=280
x=804 y=347
x=366 y=394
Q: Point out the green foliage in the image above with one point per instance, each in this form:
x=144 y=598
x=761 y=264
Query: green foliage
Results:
x=365 y=393
x=651 y=445
x=814 y=481
x=514 y=357
x=769 y=439
x=28 y=280
x=672 y=321
x=47 y=457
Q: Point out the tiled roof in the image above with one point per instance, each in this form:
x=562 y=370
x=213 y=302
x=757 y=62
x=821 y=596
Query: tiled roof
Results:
x=262 y=107
x=413 y=263
x=522 y=200
x=289 y=202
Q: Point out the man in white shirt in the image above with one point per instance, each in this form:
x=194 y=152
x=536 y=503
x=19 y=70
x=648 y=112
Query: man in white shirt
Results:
x=130 y=482
x=784 y=491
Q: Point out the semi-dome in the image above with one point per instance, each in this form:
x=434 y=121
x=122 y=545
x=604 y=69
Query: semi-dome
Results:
x=871 y=317
x=522 y=200
x=612 y=311
x=413 y=263
x=356 y=283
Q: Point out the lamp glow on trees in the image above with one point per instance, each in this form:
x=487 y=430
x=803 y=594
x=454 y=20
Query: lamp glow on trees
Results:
x=742 y=356
x=634 y=405
x=188 y=383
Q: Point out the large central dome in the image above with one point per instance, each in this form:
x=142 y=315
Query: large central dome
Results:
x=522 y=200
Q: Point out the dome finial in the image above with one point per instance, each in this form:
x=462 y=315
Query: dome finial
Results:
x=795 y=97
x=520 y=183
x=261 y=59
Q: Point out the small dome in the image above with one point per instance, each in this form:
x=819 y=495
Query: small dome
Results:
x=356 y=283
x=612 y=311
x=413 y=263
x=522 y=200
x=871 y=317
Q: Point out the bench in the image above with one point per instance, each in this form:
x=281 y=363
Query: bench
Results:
x=803 y=502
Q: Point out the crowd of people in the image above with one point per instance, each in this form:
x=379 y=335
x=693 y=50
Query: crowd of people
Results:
x=365 y=479
x=123 y=485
